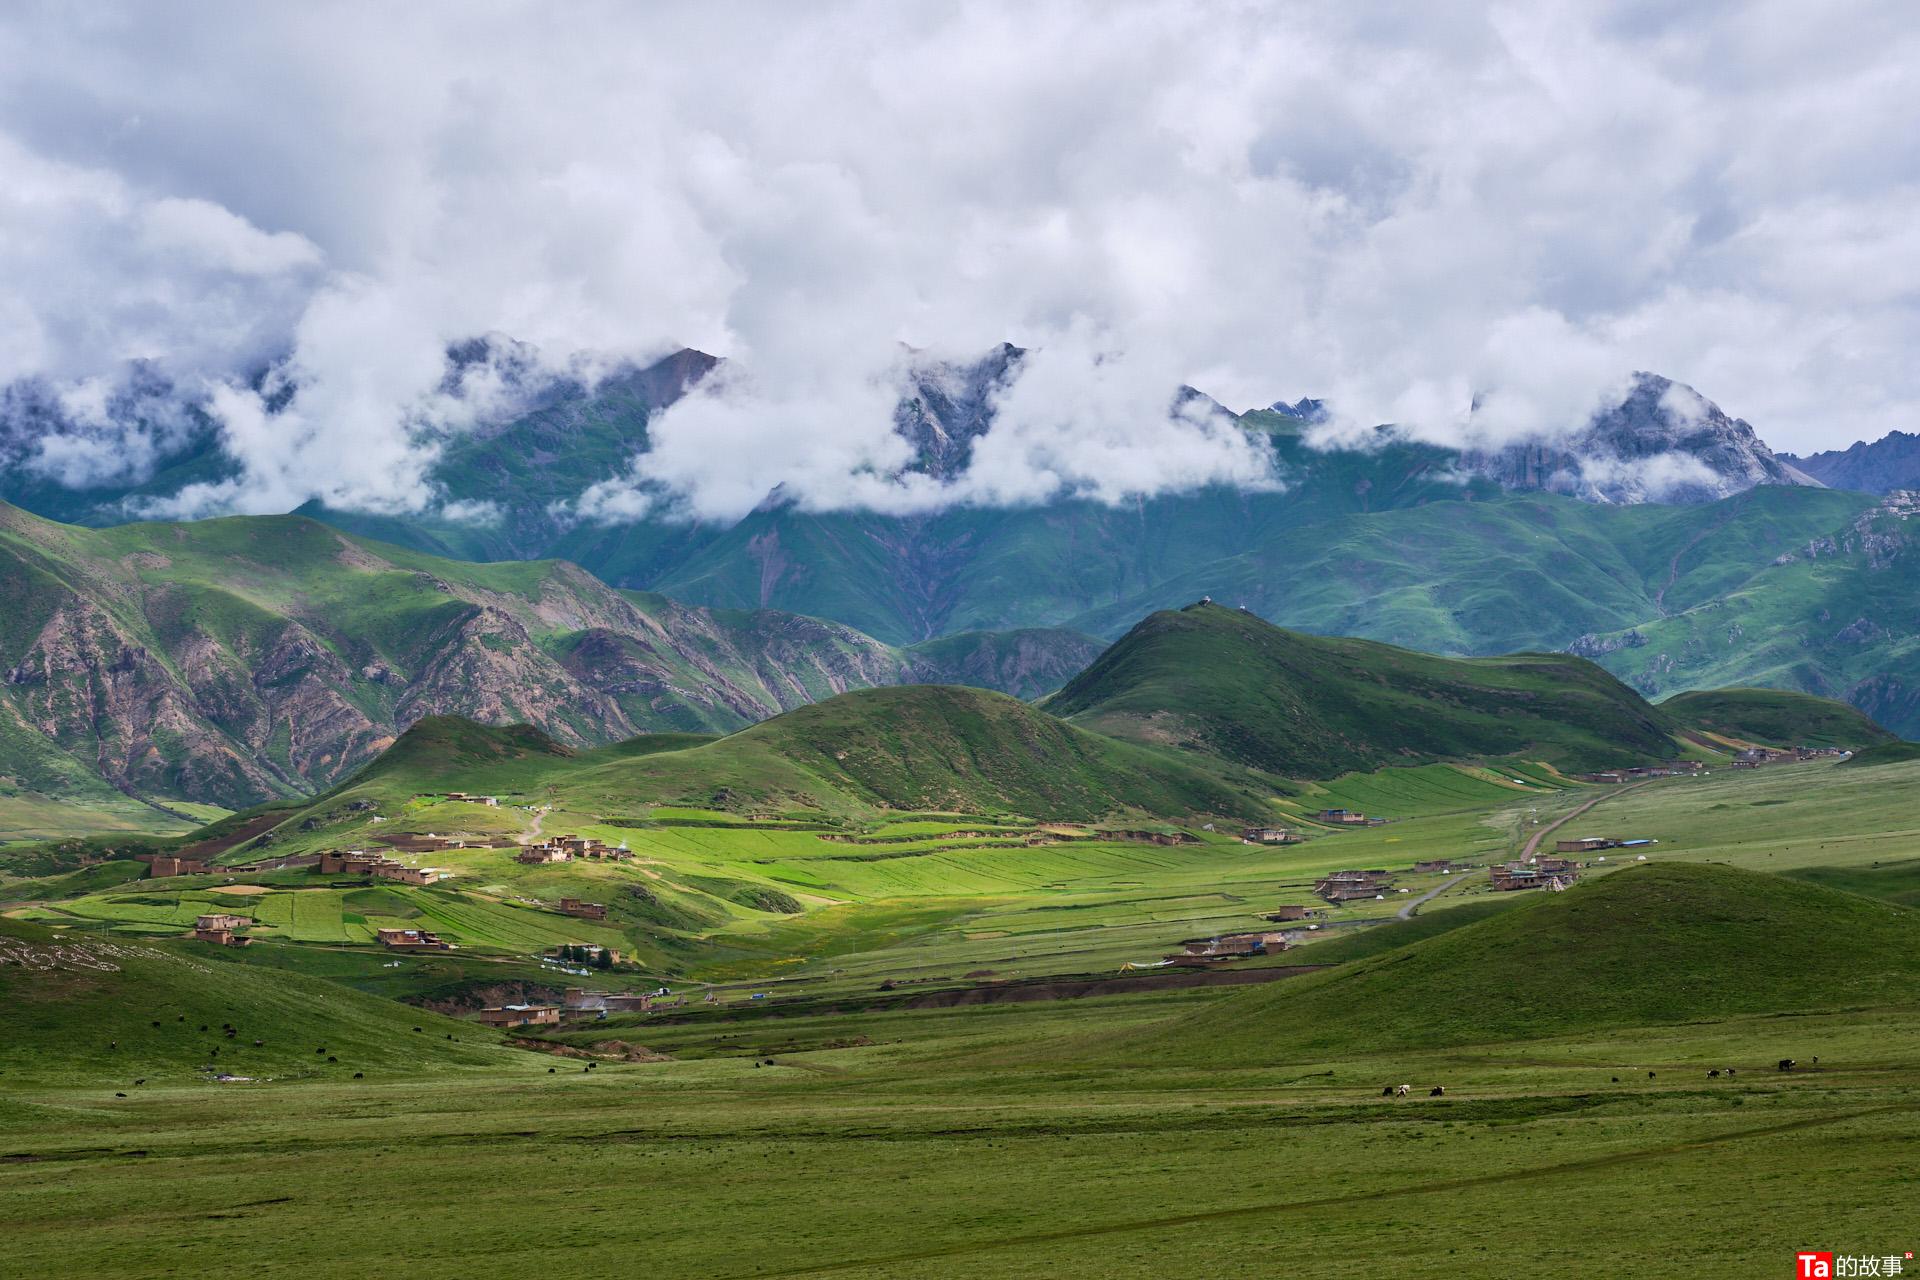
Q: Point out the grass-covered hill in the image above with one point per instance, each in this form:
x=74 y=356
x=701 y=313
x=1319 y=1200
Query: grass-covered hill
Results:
x=972 y=751
x=1885 y=753
x=1225 y=683
x=1775 y=717
x=1652 y=944
x=936 y=748
x=82 y=1007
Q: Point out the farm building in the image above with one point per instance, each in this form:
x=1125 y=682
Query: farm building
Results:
x=360 y=862
x=585 y=910
x=223 y=937
x=222 y=920
x=1584 y=844
x=219 y=928
x=1344 y=886
x=535 y=855
x=1427 y=866
x=520 y=1015
x=583 y=953
x=348 y=862
x=1269 y=835
x=461 y=797
x=412 y=940
x=1523 y=875
x=414 y=842
x=579 y=1002
x=1152 y=837
x=1231 y=946
x=160 y=866
x=1288 y=913
x=406 y=875
x=1343 y=817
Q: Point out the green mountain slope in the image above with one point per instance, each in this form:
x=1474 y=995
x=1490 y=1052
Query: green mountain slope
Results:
x=231 y=660
x=1775 y=717
x=1828 y=614
x=82 y=1007
x=1642 y=946
x=1226 y=683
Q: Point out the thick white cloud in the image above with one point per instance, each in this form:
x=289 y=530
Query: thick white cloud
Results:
x=1398 y=207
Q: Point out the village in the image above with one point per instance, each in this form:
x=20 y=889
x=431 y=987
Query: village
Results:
x=1341 y=899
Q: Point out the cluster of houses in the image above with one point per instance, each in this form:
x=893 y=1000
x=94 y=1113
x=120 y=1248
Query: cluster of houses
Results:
x=577 y=1005
x=1229 y=946
x=1755 y=757
x=1670 y=769
x=567 y=848
x=223 y=929
x=1348 y=886
x=1539 y=873
x=360 y=862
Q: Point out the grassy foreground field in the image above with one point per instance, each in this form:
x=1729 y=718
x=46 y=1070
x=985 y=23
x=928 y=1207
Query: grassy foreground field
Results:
x=931 y=1146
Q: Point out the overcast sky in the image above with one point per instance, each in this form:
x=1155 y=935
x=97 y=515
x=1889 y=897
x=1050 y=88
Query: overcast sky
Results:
x=1393 y=206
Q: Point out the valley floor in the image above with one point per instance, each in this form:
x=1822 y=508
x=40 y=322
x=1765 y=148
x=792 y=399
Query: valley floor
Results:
x=965 y=1143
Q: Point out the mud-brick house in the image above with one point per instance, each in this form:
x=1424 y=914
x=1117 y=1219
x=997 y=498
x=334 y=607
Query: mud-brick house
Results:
x=412 y=940
x=585 y=910
x=521 y=1015
x=222 y=920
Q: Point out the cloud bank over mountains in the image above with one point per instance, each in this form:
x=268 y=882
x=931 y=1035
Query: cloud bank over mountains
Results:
x=290 y=215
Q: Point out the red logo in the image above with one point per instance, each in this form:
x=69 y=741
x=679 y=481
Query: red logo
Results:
x=1813 y=1266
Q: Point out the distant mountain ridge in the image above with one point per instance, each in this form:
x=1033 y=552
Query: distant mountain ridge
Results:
x=1886 y=465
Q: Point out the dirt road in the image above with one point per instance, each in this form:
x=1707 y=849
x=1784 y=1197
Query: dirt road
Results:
x=1533 y=844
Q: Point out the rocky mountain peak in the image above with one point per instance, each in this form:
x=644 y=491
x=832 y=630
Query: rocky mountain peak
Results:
x=1663 y=442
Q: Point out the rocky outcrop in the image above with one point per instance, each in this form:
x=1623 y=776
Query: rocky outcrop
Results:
x=949 y=406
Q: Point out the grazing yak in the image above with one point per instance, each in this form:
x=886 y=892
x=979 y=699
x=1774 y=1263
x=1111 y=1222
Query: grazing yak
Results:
x=1786 y=1064
x=1438 y=1091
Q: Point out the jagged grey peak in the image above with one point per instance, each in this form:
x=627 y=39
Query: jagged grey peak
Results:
x=950 y=405
x=1663 y=442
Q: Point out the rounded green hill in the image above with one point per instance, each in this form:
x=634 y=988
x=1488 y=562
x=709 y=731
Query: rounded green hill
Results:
x=1646 y=945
